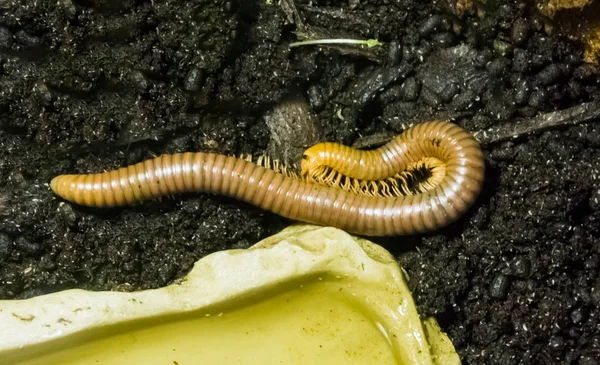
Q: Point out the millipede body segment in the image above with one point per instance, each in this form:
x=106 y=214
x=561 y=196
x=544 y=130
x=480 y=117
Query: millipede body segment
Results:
x=314 y=198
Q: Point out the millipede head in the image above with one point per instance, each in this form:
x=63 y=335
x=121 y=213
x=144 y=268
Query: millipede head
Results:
x=312 y=162
x=55 y=183
x=61 y=186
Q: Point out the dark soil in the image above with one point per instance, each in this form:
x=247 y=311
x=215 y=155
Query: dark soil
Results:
x=90 y=85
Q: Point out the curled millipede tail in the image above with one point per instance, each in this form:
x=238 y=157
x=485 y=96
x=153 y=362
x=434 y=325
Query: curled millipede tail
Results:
x=373 y=193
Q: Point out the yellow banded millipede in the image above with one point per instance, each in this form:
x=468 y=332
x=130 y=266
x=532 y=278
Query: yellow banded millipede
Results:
x=361 y=192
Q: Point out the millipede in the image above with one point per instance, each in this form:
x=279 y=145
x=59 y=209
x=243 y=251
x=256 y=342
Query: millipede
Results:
x=368 y=192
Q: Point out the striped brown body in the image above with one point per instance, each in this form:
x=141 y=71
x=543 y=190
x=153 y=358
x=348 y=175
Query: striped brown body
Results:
x=303 y=200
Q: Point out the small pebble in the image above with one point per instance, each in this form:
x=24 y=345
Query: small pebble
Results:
x=577 y=316
x=582 y=295
x=499 y=286
x=47 y=263
x=315 y=97
x=353 y=4
x=449 y=91
x=505 y=11
x=43 y=93
x=574 y=59
x=69 y=8
x=410 y=89
x=538 y=99
x=522 y=91
x=446 y=23
x=424 y=50
x=575 y=89
x=409 y=53
x=548 y=75
x=584 y=71
x=13 y=282
x=191 y=206
x=565 y=68
x=6 y=38
x=520 y=267
x=519 y=32
x=17 y=177
x=557 y=345
x=27 y=40
x=521 y=61
x=5 y=246
x=457 y=27
x=27 y=247
x=530 y=286
x=194 y=79
x=391 y=95
x=394 y=52
x=483 y=58
x=487 y=28
x=444 y=40
x=139 y=81
x=574 y=332
x=536 y=23
x=464 y=101
x=519 y=286
x=430 y=25
x=498 y=66
x=539 y=60
x=500 y=109
x=68 y=214
x=166 y=273
x=501 y=47
x=431 y=98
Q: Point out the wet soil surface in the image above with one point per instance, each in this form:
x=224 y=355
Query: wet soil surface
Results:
x=90 y=85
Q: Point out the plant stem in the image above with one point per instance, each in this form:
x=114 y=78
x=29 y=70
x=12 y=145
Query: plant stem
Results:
x=367 y=42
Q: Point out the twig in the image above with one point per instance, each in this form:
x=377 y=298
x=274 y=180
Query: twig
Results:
x=583 y=113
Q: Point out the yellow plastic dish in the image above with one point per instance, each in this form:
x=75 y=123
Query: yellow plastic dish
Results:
x=308 y=295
